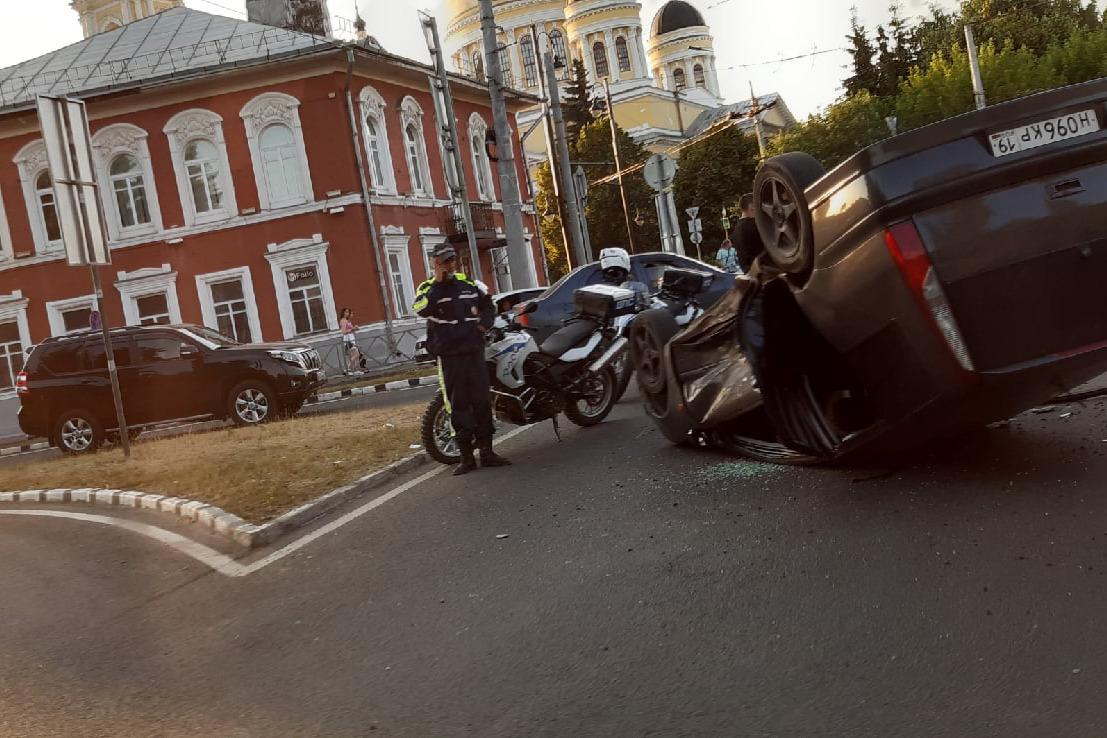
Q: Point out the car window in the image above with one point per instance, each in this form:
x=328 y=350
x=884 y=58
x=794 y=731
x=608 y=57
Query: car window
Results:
x=64 y=358
x=151 y=349
x=654 y=269
x=93 y=351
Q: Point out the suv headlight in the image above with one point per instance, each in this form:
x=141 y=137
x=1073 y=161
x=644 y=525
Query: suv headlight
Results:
x=291 y=357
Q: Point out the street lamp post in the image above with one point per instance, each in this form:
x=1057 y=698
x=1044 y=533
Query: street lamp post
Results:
x=618 y=162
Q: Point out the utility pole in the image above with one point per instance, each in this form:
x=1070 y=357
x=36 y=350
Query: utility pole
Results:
x=618 y=164
x=564 y=170
x=755 y=109
x=974 y=67
x=447 y=131
x=551 y=152
x=519 y=257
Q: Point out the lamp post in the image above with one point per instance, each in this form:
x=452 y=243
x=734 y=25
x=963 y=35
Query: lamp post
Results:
x=551 y=146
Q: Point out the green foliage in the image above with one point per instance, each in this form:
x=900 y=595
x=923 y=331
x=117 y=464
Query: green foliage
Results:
x=576 y=103
x=840 y=131
x=865 y=77
x=606 y=221
x=549 y=224
x=713 y=174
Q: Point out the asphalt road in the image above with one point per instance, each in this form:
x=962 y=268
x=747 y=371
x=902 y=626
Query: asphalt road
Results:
x=641 y=590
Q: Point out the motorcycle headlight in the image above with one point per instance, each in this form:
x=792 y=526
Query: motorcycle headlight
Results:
x=290 y=357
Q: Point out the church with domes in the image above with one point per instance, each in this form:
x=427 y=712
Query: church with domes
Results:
x=663 y=80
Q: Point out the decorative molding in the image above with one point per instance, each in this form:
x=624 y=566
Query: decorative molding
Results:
x=31 y=161
x=183 y=128
x=268 y=109
x=56 y=309
x=207 y=304
x=373 y=106
x=108 y=143
x=389 y=230
x=411 y=114
x=144 y=282
x=296 y=252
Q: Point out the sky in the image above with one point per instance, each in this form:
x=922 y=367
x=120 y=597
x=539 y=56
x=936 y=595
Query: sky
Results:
x=746 y=32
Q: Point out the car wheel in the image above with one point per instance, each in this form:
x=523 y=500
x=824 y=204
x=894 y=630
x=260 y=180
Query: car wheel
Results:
x=437 y=434
x=649 y=333
x=783 y=217
x=251 y=402
x=78 y=432
x=599 y=399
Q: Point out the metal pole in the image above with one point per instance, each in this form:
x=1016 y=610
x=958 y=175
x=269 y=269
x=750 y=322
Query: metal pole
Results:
x=674 y=220
x=618 y=164
x=109 y=354
x=755 y=108
x=974 y=67
x=444 y=108
x=572 y=215
x=538 y=228
x=520 y=263
x=366 y=194
x=551 y=154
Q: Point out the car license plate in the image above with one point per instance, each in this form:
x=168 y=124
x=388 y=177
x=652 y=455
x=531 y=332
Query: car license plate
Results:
x=1044 y=133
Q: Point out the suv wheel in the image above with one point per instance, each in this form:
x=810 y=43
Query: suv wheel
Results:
x=78 y=432
x=251 y=403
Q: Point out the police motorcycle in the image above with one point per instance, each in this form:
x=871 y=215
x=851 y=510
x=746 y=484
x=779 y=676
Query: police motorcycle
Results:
x=569 y=373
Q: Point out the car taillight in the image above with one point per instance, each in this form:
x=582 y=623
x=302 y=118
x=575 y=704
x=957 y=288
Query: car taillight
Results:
x=523 y=320
x=907 y=250
x=21 y=384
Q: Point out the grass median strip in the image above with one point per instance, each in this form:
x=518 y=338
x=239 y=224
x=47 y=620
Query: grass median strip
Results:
x=256 y=473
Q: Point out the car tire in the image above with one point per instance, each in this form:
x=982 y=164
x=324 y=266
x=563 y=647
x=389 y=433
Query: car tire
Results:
x=782 y=213
x=595 y=412
x=77 y=432
x=251 y=403
x=649 y=333
x=436 y=433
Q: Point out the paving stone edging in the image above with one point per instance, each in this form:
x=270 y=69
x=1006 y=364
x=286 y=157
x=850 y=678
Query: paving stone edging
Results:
x=400 y=384
x=215 y=518
x=24 y=448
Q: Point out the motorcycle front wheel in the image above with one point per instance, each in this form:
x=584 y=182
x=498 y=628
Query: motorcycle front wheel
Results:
x=624 y=370
x=437 y=433
x=599 y=397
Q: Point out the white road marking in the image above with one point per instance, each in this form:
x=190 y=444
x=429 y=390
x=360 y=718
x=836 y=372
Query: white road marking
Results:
x=205 y=555
x=299 y=543
x=226 y=565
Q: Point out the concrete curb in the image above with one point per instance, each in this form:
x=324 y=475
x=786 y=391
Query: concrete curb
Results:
x=24 y=448
x=215 y=518
x=402 y=384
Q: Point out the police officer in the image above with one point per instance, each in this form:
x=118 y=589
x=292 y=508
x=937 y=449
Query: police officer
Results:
x=459 y=312
x=615 y=267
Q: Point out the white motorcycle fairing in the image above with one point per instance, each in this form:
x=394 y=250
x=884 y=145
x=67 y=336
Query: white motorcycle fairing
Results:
x=582 y=352
x=508 y=356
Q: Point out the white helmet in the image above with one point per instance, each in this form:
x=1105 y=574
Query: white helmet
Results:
x=615 y=258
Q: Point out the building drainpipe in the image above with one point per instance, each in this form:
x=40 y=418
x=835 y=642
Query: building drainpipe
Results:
x=355 y=137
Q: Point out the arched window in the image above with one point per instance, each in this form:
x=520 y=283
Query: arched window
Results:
x=557 y=40
x=129 y=188
x=622 y=53
x=373 y=143
x=697 y=75
x=530 y=63
x=48 y=210
x=599 y=57
x=678 y=79
x=381 y=174
x=482 y=166
x=478 y=66
x=202 y=167
x=414 y=166
x=280 y=157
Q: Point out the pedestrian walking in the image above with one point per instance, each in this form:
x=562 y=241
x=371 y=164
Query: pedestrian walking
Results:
x=354 y=357
x=459 y=312
x=746 y=237
x=727 y=256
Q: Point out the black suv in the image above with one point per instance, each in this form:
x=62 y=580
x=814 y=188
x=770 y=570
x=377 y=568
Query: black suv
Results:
x=165 y=373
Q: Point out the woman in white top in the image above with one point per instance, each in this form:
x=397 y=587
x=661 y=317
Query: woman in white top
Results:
x=348 y=327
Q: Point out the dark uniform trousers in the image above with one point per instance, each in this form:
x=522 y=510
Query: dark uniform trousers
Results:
x=464 y=380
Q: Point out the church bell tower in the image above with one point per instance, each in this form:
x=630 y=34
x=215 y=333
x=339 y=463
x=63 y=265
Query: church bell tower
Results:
x=98 y=16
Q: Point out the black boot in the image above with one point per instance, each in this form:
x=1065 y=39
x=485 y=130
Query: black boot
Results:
x=488 y=457
x=468 y=463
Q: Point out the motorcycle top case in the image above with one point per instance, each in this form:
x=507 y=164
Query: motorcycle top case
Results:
x=604 y=301
x=684 y=282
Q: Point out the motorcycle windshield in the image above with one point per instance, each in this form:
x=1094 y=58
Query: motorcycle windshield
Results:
x=716 y=376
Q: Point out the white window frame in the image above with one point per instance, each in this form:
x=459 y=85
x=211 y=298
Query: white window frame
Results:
x=143 y=283
x=7 y=250
x=55 y=312
x=373 y=106
x=398 y=244
x=14 y=306
x=411 y=114
x=184 y=128
x=293 y=253
x=108 y=143
x=204 y=283
x=276 y=108
x=428 y=239
x=478 y=130
x=31 y=162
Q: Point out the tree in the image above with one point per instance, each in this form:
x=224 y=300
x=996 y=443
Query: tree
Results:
x=840 y=131
x=576 y=103
x=714 y=172
x=865 y=77
x=549 y=224
x=604 y=211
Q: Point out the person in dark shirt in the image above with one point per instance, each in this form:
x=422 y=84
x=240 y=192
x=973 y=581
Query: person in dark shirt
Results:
x=459 y=312
x=746 y=237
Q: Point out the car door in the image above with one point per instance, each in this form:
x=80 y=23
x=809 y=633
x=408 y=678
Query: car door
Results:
x=164 y=369
x=96 y=384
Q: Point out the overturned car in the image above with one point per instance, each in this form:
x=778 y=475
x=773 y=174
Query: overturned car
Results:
x=941 y=279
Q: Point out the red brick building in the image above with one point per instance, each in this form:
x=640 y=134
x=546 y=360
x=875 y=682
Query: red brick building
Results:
x=234 y=160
